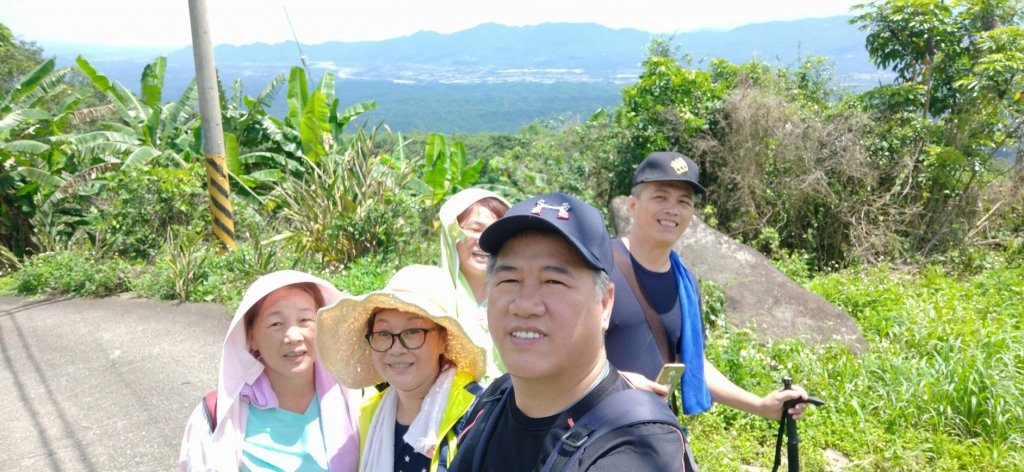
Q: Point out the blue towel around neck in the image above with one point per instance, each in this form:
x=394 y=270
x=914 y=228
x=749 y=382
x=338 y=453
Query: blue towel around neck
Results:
x=696 y=396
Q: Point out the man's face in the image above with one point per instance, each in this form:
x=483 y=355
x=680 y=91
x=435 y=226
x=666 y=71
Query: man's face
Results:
x=661 y=211
x=544 y=312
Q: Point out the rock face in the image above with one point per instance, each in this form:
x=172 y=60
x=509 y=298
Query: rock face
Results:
x=757 y=295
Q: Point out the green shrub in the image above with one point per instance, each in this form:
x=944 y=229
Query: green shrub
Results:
x=8 y=286
x=795 y=264
x=75 y=272
x=399 y=231
x=712 y=303
x=139 y=205
x=343 y=206
x=190 y=267
x=365 y=274
x=154 y=281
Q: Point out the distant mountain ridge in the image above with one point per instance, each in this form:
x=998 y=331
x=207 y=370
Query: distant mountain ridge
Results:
x=591 y=52
x=517 y=74
x=549 y=44
x=581 y=52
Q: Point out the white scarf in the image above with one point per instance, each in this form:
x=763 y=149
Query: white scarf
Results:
x=379 y=453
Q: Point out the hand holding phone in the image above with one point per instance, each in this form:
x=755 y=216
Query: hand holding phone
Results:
x=671 y=374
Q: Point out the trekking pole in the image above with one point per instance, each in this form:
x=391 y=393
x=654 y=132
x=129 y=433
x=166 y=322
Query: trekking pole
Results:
x=787 y=426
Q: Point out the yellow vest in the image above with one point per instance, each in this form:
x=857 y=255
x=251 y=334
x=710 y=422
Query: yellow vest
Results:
x=459 y=401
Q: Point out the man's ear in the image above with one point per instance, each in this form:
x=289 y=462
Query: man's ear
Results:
x=607 y=302
x=631 y=204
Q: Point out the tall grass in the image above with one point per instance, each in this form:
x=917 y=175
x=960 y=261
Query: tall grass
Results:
x=939 y=389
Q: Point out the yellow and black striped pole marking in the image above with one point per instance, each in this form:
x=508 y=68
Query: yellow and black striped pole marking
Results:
x=220 y=205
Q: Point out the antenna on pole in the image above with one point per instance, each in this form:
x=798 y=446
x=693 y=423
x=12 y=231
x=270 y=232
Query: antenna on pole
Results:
x=302 y=56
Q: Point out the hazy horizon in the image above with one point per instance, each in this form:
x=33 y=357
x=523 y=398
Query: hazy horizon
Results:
x=164 y=24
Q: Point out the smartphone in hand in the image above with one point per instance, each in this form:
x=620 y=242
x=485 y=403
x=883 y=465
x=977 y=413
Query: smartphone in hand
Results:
x=671 y=374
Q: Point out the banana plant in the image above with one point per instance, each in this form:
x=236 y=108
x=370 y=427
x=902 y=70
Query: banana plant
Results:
x=57 y=166
x=312 y=129
x=29 y=165
x=146 y=128
x=446 y=169
x=313 y=126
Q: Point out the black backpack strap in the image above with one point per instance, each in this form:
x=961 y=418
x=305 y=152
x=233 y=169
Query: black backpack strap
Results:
x=480 y=422
x=618 y=410
x=210 y=409
x=467 y=419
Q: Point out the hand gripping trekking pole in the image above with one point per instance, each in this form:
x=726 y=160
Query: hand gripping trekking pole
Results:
x=787 y=426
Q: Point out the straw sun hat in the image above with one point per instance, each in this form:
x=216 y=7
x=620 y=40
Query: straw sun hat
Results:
x=423 y=290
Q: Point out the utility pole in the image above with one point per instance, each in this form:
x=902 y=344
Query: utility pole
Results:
x=213 y=130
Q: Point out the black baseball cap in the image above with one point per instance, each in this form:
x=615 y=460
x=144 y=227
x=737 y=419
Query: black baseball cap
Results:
x=669 y=166
x=578 y=222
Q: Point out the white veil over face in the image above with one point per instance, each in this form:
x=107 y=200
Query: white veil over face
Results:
x=469 y=313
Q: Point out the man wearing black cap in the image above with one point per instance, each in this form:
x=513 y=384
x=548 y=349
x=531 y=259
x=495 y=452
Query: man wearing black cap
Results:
x=655 y=291
x=562 y=406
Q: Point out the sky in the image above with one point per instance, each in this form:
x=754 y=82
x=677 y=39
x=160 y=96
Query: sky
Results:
x=165 y=23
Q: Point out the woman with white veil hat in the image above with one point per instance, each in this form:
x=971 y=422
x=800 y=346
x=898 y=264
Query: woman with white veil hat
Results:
x=275 y=406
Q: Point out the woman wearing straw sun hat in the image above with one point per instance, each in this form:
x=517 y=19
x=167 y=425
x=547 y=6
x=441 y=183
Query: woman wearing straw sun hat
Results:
x=275 y=406
x=405 y=334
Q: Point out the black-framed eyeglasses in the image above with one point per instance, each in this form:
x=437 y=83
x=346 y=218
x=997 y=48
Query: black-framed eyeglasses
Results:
x=412 y=338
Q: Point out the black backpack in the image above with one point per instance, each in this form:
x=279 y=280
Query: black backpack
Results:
x=618 y=410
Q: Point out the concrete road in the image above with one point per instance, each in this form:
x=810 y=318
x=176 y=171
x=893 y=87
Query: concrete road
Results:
x=107 y=384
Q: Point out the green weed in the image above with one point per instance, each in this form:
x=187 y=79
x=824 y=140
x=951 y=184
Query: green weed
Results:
x=365 y=274
x=8 y=286
x=74 y=272
x=939 y=388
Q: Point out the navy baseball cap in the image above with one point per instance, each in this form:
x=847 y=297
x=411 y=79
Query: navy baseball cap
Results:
x=578 y=222
x=669 y=166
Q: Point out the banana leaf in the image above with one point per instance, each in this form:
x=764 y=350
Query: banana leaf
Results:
x=435 y=174
x=29 y=82
x=140 y=157
x=298 y=95
x=313 y=127
x=16 y=118
x=153 y=81
x=25 y=147
x=231 y=154
x=38 y=176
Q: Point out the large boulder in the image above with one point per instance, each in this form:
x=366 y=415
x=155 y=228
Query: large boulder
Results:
x=757 y=295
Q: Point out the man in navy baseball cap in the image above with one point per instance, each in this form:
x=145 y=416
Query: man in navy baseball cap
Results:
x=579 y=223
x=549 y=300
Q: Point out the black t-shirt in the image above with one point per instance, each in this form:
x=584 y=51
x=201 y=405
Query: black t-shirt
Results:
x=406 y=458
x=521 y=443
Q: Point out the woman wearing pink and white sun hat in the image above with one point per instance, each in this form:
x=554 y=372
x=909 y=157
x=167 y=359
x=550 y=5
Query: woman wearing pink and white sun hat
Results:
x=276 y=406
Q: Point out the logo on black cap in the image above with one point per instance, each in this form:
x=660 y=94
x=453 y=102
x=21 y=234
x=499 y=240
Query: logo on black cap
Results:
x=679 y=165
